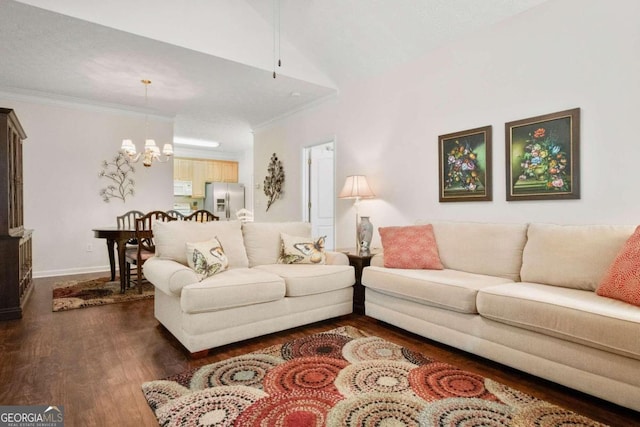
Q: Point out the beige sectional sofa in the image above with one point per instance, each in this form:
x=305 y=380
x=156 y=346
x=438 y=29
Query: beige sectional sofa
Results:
x=255 y=296
x=522 y=295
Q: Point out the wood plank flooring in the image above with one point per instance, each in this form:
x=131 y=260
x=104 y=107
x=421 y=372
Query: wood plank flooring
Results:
x=94 y=360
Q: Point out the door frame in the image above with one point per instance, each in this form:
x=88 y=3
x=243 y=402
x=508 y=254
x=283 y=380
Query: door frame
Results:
x=306 y=181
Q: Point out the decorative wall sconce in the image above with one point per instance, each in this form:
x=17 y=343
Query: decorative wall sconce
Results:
x=274 y=181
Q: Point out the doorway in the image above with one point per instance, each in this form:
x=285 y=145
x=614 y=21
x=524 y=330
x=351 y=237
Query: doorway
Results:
x=319 y=191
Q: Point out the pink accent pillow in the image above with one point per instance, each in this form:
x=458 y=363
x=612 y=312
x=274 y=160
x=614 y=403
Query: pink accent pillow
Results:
x=412 y=246
x=622 y=280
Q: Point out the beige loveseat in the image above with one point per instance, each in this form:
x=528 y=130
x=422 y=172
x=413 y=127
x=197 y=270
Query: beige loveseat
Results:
x=255 y=296
x=522 y=295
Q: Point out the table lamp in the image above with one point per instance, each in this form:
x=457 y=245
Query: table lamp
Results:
x=356 y=187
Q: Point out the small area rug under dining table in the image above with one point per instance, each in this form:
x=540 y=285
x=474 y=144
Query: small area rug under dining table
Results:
x=343 y=377
x=72 y=294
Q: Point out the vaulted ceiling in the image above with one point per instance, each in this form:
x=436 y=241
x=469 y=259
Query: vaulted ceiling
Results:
x=211 y=61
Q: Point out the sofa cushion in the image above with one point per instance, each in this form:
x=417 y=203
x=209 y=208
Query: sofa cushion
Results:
x=571 y=256
x=171 y=239
x=575 y=315
x=207 y=258
x=412 y=246
x=262 y=239
x=481 y=248
x=232 y=288
x=301 y=250
x=622 y=280
x=309 y=279
x=450 y=289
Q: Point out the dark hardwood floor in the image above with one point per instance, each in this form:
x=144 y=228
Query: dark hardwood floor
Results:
x=94 y=360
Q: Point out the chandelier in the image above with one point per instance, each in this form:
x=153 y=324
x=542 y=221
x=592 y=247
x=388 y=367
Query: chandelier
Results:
x=151 y=151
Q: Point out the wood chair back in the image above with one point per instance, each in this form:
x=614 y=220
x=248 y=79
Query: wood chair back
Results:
x=144 y=229
x=201 y=216
x=127 y=221
x=146 y=245
x=175 y=214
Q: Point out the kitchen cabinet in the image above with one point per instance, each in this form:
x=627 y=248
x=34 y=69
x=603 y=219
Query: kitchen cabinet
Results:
x=182 y=169
x=200 y=171
x=221 y=171
x=213 y=171
x=230 y=172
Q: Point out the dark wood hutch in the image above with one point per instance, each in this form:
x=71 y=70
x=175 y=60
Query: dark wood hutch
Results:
x=16 y=273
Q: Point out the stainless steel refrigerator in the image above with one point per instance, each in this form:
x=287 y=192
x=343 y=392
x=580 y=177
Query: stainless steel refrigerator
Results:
x=223 y=199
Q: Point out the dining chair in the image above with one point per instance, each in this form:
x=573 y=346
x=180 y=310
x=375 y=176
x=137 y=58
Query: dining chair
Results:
x=146 y=246
x=201 y=216
x=244 y=215
x=175 y=214
x=127 y=221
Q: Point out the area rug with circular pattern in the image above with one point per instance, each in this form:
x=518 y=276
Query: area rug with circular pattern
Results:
x=73 y=294
x=344 y=378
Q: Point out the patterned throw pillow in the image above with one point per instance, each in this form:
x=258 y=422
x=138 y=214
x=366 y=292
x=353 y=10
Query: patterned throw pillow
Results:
x=411 y=247
x=302 y=250
x=207 y=258
x=622 y=280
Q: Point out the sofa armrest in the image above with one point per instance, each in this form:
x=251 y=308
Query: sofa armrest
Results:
x=169 y=276
x=336 y=258
x=377 y=260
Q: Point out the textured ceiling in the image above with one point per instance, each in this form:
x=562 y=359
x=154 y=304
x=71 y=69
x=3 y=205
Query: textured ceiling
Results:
x=354 y=39
x=54 y=55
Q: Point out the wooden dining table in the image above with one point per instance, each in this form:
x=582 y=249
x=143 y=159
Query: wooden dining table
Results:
x=116 y=238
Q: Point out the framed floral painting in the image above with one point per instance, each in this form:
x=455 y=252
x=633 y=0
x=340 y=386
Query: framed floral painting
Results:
x=542 y=157
x=465 y=165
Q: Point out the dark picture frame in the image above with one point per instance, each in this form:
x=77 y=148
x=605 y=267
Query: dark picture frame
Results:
x=464 y=165
x=543 y=157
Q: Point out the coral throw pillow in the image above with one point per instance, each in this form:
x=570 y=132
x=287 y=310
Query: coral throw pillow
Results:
x=412 y=246
x=622 y=280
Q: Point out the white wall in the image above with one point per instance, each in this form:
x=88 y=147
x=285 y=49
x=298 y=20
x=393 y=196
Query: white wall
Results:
x=287 y=140
x=63 y=152
x=560 y=55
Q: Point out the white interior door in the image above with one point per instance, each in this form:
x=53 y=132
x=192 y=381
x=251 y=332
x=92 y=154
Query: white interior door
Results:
x=321 y=191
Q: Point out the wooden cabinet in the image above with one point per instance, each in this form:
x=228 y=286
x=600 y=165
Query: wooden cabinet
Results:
x=221 y=171
x=16 y=271
x=213 y=171
x=229 y=171
x=200 y=171
x=182 y=170
x=198 y=181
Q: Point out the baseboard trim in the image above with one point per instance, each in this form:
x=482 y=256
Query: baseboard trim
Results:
x=71 y=271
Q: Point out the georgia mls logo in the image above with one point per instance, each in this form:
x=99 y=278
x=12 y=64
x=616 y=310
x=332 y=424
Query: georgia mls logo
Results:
x=31 y=416
x=54 y=410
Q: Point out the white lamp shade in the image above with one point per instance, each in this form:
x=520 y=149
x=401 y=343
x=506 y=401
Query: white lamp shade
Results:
x=167 y=150
x=128 y=147
x=149 y=143
x=356 y=187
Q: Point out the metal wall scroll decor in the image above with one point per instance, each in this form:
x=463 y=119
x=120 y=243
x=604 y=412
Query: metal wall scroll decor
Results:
x=118 y=174
x=274 y=181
